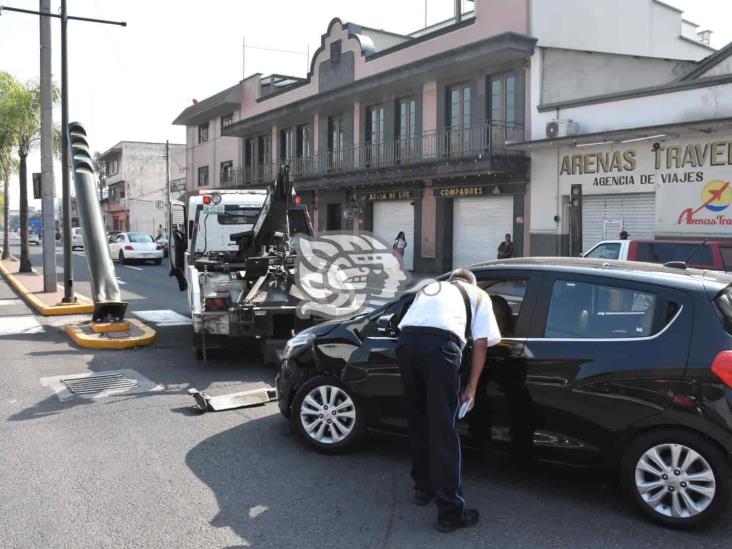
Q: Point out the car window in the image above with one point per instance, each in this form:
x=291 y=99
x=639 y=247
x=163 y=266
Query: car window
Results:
x=120 y=238
x=694 y=254
x=611 y=250
x=140 y=238
x=723 y=303
x=580 y=310
x=726 y=254
x=507 y=297
x=235 y=214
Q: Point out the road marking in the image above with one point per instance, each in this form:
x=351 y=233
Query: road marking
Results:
x=17 y=325
x=6 y=302
x=164 y=317
x=136 y=268
x=120 y=281
x=80 y=254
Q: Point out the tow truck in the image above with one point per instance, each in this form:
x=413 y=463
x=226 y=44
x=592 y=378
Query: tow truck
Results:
x=232 y=251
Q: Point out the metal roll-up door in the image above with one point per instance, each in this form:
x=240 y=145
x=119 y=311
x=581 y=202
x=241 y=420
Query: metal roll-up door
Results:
x=603 y=217
x=479 y=225
x=390 y=217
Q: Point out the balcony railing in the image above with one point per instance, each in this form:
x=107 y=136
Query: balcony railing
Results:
x=442 y=145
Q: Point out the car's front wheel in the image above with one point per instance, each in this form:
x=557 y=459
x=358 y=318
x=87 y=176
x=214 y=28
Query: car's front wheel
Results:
x=677 y=478
x=326 y=415
x=122 y=260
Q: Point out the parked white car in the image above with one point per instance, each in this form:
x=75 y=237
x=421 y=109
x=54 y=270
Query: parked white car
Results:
x=77 y=238
x=33 y=238
x=126 y=247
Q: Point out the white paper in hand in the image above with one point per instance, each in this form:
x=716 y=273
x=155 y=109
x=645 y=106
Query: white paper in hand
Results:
x=464 y=407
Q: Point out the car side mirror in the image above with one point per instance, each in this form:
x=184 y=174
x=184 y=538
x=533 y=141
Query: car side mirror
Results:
x=385 y=325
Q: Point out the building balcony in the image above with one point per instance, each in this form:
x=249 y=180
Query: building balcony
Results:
x=448 y=148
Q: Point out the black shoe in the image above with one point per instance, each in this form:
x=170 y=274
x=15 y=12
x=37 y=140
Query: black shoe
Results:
x=422 y=496
x=466 y=520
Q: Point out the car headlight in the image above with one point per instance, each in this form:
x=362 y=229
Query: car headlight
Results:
x=297 y=344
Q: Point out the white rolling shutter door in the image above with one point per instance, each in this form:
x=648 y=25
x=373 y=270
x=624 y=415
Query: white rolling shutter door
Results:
x=602 y=217
x=479 y=225
x=390 y=217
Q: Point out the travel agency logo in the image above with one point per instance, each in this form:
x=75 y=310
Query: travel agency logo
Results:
x=716 y=196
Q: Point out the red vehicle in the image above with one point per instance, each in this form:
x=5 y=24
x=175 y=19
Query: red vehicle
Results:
x=715 y=255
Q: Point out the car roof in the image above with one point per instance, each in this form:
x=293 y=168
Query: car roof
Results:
x=665 y=241
x=636 y=271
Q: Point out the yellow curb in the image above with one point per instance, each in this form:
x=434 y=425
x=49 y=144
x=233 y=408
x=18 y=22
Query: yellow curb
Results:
x=83 y=306
x=102 y=341
x=106 y=327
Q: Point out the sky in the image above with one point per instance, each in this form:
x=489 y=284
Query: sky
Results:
x=129 y=83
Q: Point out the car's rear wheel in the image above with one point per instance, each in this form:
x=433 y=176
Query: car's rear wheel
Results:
x=677 y=478
x=326 y=415
x=122 y=260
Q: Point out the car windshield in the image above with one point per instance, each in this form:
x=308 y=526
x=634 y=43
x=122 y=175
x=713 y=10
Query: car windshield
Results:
x=140 y=238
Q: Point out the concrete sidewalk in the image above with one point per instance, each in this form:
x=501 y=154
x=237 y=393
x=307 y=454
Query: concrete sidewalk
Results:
x=30 y=288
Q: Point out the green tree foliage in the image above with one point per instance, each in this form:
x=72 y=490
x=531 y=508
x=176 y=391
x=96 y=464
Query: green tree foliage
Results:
x=20 y=118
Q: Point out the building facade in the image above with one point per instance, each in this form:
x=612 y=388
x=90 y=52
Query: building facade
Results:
x=135 y=180
x=210 y=156
x=655 y=161
x=416 y=132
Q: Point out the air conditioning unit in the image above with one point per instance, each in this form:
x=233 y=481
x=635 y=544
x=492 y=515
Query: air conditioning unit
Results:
x=561 y=128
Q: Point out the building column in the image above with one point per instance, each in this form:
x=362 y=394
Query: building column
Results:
x=428 y=224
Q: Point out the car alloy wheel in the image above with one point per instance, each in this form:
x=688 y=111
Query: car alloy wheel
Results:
x=676 y=477
x=328 y=414
x=675 y=480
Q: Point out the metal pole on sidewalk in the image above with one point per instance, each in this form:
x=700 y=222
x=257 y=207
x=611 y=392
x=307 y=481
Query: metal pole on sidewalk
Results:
x=65 y=183
x=167 y=187
x=48 y=193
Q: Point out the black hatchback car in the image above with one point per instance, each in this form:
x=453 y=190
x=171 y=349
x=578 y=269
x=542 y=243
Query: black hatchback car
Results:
x=603 y=364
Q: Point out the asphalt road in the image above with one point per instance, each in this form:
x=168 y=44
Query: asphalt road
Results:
x=147 y=470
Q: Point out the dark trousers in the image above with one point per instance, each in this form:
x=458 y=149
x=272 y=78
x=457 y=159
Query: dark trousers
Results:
x=429 y=365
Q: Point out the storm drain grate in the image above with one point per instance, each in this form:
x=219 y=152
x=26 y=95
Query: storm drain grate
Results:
x=95 y=384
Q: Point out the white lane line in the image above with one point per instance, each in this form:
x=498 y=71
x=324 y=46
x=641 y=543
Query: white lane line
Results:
x=6 y=302
x=17 y=325
x=164 y=317
x=120 y=281
x=136 y=268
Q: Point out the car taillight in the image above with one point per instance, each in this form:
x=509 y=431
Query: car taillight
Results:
x=215 y=304
x=128 y=247
x=722 y=367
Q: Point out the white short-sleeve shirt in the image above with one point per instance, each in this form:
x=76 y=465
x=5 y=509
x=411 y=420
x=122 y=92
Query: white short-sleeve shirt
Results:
x=440 y=305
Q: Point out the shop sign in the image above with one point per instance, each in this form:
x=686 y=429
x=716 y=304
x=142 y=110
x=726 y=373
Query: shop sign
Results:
x=462 y=192
x=390 y=195
x=692 y=180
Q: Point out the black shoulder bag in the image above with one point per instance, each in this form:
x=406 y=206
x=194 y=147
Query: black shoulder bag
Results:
x=466 y=361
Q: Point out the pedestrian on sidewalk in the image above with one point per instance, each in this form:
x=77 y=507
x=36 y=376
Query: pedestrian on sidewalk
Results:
x=161 y=231
x=400 y=243
x=505 y=249
x=434 y=334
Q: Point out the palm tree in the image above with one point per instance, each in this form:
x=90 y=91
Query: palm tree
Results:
x=8 y=165
x=20 y=114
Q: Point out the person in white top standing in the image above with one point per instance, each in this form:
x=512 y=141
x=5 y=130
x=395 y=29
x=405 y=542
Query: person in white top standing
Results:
x=432 y=338
x=400 y=244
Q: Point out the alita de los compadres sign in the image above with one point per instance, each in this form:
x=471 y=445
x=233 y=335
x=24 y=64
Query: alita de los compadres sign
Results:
x=692 y=180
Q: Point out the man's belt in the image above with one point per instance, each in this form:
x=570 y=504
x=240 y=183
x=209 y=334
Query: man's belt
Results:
x=446 y=334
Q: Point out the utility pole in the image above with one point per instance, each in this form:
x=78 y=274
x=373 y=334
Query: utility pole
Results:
x=65 y=183
x=167 y=186
x=47 y=184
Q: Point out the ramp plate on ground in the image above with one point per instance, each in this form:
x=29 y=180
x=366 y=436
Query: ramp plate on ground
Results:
x=231 y=401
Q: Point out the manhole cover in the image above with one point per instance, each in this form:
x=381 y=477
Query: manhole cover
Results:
x=101 y=383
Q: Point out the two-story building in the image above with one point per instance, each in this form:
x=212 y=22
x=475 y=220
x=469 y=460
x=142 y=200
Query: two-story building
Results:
x=212 y=157
x=392 y=132
x=135 y=179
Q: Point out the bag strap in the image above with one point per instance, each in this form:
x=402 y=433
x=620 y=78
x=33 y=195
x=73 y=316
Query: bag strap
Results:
x=468 y=311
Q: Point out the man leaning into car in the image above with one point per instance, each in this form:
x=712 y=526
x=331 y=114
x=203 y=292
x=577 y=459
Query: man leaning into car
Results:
x=430 y=349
